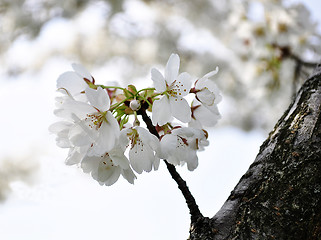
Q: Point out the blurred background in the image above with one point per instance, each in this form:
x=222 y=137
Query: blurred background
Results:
x=264 y=49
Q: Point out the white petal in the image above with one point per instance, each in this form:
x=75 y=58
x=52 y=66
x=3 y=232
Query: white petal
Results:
x=59 y=126
x=108 y=174
x=156 y=163
x=86 y=125
x=63 y=142
x=141 y=158
x=161 y=112
x=118 y=157
x=167 y=145
x=82 y=71
x=184 y=84
x=63 y=113
x=74 y=156
x=214 y=110
x=184 y=131
x=78 y=109
x=172 y=67
x=106 y=139
x=215 y=90
x=62 y=139
x=129 y=175
x=111 y=120
x=123 y=139
x=148 y=138
x=205 y=96
x=192 y=161
x=211 y=74
x=71 y=82
x=202 y=143
x=78 y=136
x=173 y=160
x=200 y=83
x=90 y=164
x=98 y=98
x=195 y=123
x=158 y=80
x=211 y=86
x=134 y=159
x=180 y=109
x=206 y=117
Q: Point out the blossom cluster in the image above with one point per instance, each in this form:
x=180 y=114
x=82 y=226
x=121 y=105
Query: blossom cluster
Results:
x=280 y=33
x=97 y=129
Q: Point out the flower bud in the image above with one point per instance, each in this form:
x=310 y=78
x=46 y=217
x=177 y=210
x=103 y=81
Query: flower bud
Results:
x=134 y=105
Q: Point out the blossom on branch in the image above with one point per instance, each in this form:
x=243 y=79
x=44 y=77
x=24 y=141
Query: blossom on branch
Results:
x=94 y=123
x=74 y=83
x=180 y=146
x=173 y=87
x=207 y=91
x=107 y=168
x=204 y=116
x=101 y=124
x=143 y=148
x=204 y=107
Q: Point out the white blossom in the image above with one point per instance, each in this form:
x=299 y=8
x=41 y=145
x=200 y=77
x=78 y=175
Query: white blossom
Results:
x=107 y=168
x=61 y=129
x=173 y=87
x=143 y=148
x=203 y=115
x=207 y=91
x=94 y=125
x=204 y=107
x=181 y=146
x=76 y=155
x=93 y=136
x=73 y=84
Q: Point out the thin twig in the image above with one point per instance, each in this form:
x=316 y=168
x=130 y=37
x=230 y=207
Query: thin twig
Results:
x=303 y=62
x=286 y=52
x=190 y=200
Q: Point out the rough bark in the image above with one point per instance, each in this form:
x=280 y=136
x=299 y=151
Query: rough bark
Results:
x=279 y=197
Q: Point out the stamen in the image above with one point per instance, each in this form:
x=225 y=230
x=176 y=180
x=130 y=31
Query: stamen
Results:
x=96 y=120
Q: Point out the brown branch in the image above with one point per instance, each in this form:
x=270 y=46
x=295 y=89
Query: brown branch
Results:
x=302 y=62
x=286 y=52
x=190 y=200
x=279 y=196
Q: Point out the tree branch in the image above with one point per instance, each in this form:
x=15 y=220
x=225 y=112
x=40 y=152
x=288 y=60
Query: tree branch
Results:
x=190 y=200
x=302 y=62
x=279 y=196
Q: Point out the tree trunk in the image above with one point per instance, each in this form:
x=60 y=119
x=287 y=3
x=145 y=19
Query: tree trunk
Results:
x=279 y=197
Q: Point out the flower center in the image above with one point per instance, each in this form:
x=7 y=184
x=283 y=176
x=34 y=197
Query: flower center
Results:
x=108 y=162
x=175 y=89
x=134 y=139
x=181 y=142
x=133 y=136
x=96 y=119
